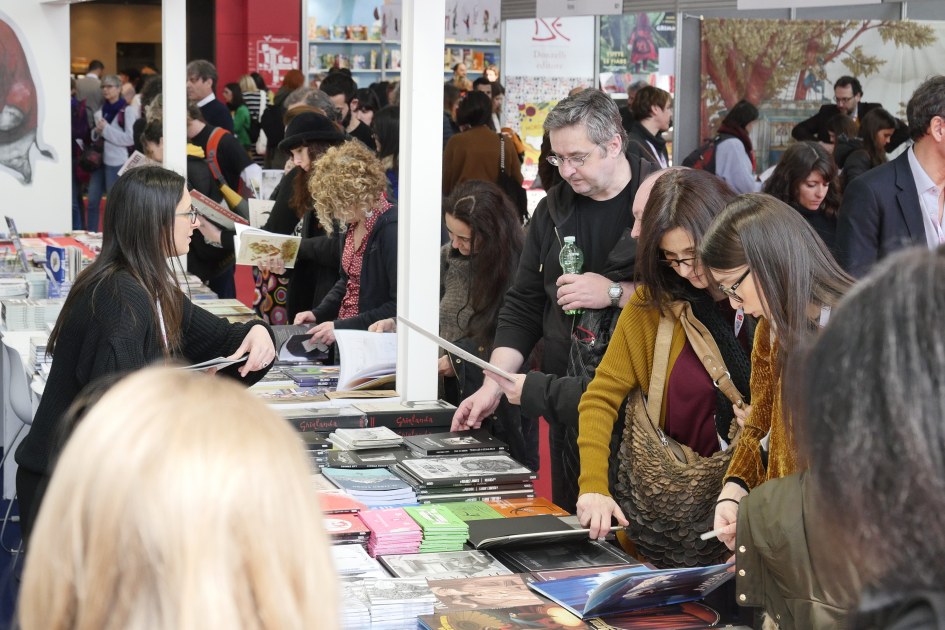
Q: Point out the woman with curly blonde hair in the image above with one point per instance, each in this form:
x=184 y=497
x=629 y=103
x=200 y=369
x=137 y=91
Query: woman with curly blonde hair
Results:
x=196 y=511
x=349 y=187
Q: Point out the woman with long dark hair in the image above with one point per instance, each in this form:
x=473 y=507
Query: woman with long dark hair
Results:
x=771 y=265
x=734 y=154
x=876 y=129
x=806 y=179
x=233 y=97
x=126 y=311
x=386 y=126
x=674 y=284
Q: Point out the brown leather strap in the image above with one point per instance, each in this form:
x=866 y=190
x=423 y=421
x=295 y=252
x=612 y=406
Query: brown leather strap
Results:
x=654 y=398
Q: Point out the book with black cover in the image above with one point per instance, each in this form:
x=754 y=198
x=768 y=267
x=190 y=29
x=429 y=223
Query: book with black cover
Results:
x=323 y=419
x=455 y=443
x=374 y=458
x=403 y=415
x=631 y=589
x=542 y=529
x=574 y=555
x=476 y=496
x=443 y=565
x=469 y=470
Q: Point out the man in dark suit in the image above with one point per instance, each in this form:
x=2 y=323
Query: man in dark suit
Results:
x=847 y=93
x=201 y=83
x=900 y=203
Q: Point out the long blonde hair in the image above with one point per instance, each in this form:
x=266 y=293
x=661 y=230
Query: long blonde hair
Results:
x=183 y=502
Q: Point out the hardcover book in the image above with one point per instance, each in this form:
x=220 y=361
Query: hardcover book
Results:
x=444 y=565
x=455 y=442
x=406 y=415
x=498 y=591
x=526 y=507
x=323 y=419
x=374 y=458
x=474 y=469
x=218 y=213
x=496 y=532
x=574 y=555
x=631 y=589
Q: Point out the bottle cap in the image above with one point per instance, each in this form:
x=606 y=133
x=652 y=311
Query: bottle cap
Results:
x=568 y=239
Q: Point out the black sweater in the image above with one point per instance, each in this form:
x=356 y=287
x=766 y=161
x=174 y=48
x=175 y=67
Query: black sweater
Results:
x=111 y=328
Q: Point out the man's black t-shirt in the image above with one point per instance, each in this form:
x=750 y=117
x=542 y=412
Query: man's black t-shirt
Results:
x=231 y=155
x=363 y=133
x=598 y=225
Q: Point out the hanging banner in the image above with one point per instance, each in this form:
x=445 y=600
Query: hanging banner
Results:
x=550 y=47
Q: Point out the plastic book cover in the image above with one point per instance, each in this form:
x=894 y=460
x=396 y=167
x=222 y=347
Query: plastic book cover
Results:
x=545 y=616
x=444 y=565
x=495 y=591
x=621 y=591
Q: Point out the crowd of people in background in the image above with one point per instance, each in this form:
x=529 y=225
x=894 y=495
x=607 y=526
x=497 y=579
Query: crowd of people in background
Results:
x=761 y=269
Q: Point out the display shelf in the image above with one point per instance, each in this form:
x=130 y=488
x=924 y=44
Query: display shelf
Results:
x=364 y=42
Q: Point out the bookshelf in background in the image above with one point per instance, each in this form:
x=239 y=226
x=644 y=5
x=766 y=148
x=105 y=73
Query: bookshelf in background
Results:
x=475 y=54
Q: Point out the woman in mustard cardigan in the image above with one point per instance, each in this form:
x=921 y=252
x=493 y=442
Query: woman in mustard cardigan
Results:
x=680 y=209
x=772 y=265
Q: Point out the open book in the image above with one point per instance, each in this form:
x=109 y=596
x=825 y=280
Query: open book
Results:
x=632 y=588
x=368 y=359
x=253 y=246
x=216 y=212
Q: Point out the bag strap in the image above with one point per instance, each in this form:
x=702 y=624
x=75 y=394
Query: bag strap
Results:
x=708 y=351
x=212 y=143
x=654 y=397
x=501 y=153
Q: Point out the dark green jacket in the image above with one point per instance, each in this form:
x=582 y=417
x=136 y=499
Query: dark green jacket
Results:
x=785 y=563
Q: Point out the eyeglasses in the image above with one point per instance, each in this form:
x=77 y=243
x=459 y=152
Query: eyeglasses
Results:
x=730 y=291
x=192 y=213
x=843 y=100
x=575 y=161
x=108 y=85
x=676 y=263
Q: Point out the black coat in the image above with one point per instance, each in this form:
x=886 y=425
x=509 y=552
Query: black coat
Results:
x=378 y=296
x=815 y=127
x=880 y=214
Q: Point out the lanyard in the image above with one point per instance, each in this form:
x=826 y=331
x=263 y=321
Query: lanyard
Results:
x=160 y=315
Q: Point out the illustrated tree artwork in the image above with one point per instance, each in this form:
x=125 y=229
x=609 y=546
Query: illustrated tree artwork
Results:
x=759 y=59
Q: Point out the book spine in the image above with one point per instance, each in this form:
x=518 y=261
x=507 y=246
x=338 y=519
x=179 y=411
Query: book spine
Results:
x=472 y=481
x=327 y=424
x=447 y=450
x=407 y=420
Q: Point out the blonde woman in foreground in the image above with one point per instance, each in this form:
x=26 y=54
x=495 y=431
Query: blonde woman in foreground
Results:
x=182 y=502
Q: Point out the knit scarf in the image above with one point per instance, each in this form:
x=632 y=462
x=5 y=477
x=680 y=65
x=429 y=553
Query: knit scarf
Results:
x=110 y=110
x=742 y=134
x=737 y=359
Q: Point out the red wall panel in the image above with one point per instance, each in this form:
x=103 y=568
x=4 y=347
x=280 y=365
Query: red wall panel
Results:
x=239 y=22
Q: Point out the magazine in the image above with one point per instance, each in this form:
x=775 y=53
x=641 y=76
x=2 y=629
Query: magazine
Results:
x=631 y=589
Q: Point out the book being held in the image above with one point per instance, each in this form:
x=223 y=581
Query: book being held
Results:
x=254 y=246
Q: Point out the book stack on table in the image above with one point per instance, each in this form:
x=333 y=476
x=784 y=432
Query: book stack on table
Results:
x=347 y=529
x=375 y=487
x=317 y=445
x=445 y=565
x=354 y=561
x=442 y=530
x=363 y=439
x=395 y=603
x=466 y=478
x=393 y=531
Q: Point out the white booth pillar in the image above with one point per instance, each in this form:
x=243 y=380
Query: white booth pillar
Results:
x=174 y=83
x=421 y=171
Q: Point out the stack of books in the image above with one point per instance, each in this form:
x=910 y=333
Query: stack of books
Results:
x=355 y=608
x=347 y=529
x=353 y=561
x=367 y=438
x=375 y=487
x=374 y=458
x=392 y=532
x=454 y=443
x=466 y=478
x=24 y=314
x=397 y=602
x=40 y=360
x=317 y=445
x=442 y=530
x=313 y=375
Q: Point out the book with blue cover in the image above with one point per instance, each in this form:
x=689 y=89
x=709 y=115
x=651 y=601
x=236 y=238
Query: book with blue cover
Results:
x=631 y=589
x=359 y=480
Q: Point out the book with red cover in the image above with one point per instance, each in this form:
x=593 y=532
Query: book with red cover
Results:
x=338 y=502
x=346 y=528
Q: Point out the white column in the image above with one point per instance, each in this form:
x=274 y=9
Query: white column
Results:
x=174 y=83
x=421 y=169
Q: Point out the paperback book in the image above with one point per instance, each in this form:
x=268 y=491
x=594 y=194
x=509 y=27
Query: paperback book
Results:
x=353 y=560
x=375 y=487
x=374 y=458
x=573 y=555
x=455 y=443
x=323 y=418
x=631 y=589
x=313 y=375
x=496 y=591
x=216 y=212
x=445 y=565
x=442 y=530
x=366 y=438
x=474 y=469
x=392 y=532
x=254 y=246
x=475 y=496
x=545 y=616
x=516 y=508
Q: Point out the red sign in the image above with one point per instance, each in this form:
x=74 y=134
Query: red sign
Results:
x=273 y=56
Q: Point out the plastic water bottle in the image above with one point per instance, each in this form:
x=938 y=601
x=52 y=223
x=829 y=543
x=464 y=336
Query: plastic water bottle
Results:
x=572 y=260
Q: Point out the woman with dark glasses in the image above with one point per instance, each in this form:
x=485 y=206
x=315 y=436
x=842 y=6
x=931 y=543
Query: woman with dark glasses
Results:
x=694 y=412
x=772 y=265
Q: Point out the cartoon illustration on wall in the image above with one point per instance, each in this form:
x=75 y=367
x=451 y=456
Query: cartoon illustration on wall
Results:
x=19 y=107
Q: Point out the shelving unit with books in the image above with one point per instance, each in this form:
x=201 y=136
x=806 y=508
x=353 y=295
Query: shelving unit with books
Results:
x=351 y=34
x=475 y=54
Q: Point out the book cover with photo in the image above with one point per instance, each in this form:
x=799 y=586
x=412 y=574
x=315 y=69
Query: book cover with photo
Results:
x=545 y=616
x=346 y=527
x=494 y=591
x=444 y=565
x=685 y=616
x=631 y=589
x=374 y=458
x=476 y=469
x=517 y=508
x=474 y=496
x=455 y=442
x=356 y=481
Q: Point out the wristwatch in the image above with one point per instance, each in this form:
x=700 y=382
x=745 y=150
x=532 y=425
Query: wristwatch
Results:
x=615 y=292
